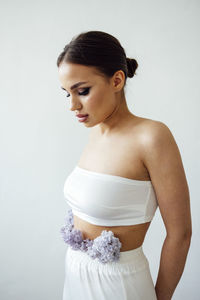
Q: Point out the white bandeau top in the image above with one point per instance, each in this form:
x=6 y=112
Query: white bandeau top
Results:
x=109 y=200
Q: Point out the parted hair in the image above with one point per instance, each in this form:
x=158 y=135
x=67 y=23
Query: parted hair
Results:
x=101 y=50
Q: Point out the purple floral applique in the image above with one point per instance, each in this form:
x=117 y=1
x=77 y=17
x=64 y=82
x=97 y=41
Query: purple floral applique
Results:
x=105 y=247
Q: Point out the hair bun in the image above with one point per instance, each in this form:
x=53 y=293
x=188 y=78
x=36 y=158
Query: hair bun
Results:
x=131 y=66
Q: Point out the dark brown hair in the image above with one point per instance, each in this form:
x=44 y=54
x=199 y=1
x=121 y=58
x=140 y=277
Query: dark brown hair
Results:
x=101 y=50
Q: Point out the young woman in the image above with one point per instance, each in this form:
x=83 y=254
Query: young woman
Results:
x=129 y=167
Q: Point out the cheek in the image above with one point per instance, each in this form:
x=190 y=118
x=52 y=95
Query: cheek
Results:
x=93 y=102
x=98 y=103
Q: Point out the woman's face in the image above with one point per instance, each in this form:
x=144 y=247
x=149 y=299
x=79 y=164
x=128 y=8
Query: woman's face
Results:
x=95 y=97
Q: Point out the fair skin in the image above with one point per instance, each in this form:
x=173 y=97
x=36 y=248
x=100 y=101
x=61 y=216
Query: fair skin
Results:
x=149 y=152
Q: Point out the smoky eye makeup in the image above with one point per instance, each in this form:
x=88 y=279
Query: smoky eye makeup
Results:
x=83 y=93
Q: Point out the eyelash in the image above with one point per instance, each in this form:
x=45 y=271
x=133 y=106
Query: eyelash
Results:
x=84 y=93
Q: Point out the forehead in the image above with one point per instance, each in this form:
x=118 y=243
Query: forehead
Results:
x=71 y=73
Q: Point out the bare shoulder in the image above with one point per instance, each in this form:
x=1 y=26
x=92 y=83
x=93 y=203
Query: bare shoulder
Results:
x=150 y=130
x=162 y=158
x=159 y=151
x=157 y=139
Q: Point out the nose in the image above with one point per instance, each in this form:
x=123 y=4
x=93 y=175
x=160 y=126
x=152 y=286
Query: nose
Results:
x=74 y=104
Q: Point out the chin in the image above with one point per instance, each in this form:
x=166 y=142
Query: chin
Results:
x=87 y=124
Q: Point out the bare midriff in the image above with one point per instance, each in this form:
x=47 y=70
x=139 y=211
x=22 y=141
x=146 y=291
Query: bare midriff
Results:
x=131 y=236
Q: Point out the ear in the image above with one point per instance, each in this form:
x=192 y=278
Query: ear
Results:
x=118 y=80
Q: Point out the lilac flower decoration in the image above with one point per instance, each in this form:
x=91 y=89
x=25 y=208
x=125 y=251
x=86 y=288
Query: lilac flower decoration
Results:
x=105 y=247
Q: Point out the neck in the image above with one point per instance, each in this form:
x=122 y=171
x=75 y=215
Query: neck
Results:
x=119 y=118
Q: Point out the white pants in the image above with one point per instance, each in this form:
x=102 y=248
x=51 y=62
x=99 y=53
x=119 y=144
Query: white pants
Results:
x=127 y=279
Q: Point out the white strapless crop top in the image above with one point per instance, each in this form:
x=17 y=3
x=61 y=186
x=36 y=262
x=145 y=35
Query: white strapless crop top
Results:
x=109 y=200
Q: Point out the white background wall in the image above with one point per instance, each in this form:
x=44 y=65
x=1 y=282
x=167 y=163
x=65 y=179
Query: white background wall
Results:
x=41 y=141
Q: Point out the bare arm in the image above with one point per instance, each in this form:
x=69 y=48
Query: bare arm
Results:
x=163 y=161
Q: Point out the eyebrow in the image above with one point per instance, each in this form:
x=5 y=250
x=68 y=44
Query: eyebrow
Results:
x=75 y=85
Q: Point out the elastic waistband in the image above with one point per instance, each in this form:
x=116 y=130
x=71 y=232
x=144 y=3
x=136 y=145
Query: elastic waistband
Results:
x=129 y=256
x=125 y=256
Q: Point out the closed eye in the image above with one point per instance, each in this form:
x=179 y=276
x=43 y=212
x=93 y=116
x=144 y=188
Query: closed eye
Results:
x=84 y=93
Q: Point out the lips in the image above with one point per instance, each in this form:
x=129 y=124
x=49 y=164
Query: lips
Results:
x=81 y=116
x=83 y=119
